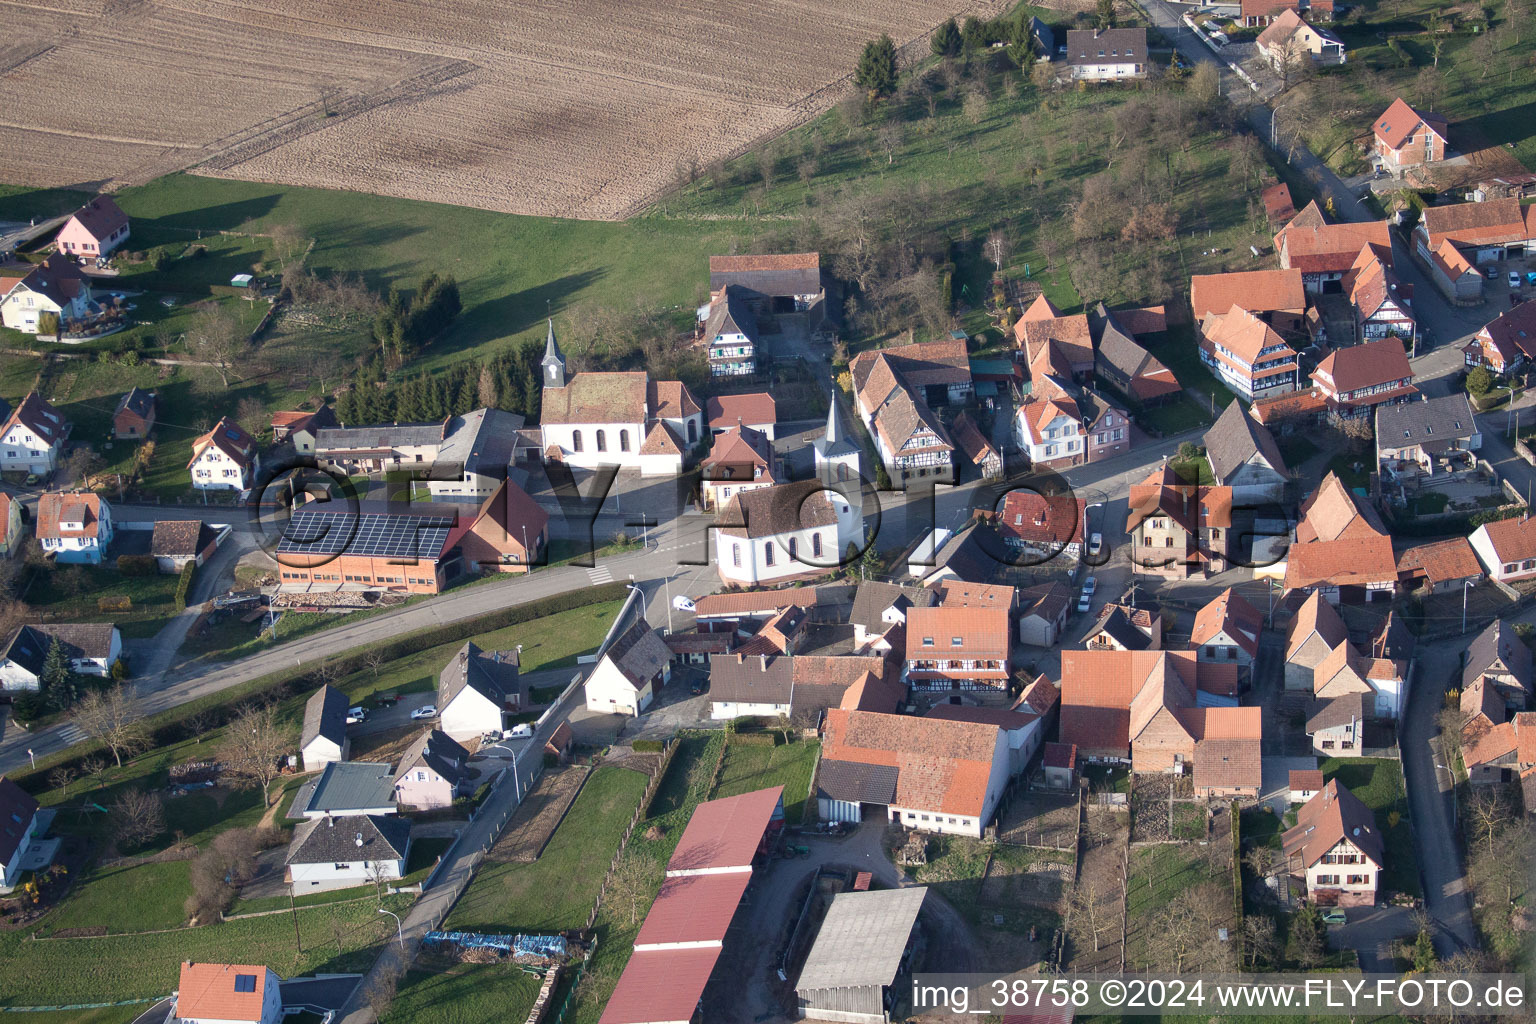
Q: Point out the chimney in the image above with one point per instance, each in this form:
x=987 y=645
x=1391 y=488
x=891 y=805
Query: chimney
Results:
x=762 y=662
x=330 y=822
x=740 y=657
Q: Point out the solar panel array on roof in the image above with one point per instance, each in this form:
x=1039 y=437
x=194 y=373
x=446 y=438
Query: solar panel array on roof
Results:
x=245 y=983
x=312 y=532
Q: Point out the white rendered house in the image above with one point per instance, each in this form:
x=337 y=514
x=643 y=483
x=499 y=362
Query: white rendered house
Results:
x=785 y=531
x=33 y=437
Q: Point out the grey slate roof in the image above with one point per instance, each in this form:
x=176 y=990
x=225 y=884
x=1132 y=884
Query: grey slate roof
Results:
x=1118 y=46
x=730 y=315
x=861 y=940
x=873 y=597
x=435 y=749
x=973 y=555
x=639 y=653
x=17 y=807
x=752 y=680
x=836 y=441
x=382 y=437
x=482 y=440
x=137 y=401
x=1341 y=710
x=1432 y=420
x=1498 y=643
x=325 y=714
x=854 y=782
x=492 y=674
x=352 y=786
x=331 y=840
x=180 y=538
x=1117 y=626
x=1234 y=438
x=29 y=645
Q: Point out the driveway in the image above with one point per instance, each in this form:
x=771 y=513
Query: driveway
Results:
x=1371 y=931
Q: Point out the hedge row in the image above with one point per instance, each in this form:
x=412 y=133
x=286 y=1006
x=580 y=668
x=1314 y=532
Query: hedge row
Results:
x=184 y=584
x=755 y=739
x=648 y=746
x=173 y=726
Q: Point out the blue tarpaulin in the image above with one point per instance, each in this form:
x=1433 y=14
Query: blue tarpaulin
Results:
x=551 y=946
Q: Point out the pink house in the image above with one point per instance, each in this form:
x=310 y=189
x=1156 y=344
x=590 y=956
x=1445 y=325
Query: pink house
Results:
x=431 y=772
x=94 y=230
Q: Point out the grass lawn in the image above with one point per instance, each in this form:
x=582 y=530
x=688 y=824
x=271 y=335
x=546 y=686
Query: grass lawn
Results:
x=334 y=938
x=1344 y=465
x=1179 y=350
x=1295 y=449
x=1159 y=873
x=157 y=891
x=1378 y=782
x=555 y=892
x=788 y=765
x=71 y=593
x=1174 y=417
x=1196 y=470
x=464 y=994
x=101 y=1015
x=1106 y=779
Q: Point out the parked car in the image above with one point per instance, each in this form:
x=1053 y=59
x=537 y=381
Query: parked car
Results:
x=1095 y=543
x=1334 y=915
x=1492 y=272
x=684 y=603
x=356 y=715
x=386 y=700
x=521 y=731
x=1085 y=600
x=425 y=711
x=1514 y=279
x=699 y=686
x=31 y=480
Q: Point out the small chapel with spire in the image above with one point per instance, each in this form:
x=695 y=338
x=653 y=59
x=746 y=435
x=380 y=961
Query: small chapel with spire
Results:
x=837 y=454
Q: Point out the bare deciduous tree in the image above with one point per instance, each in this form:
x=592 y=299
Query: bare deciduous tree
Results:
x=61 y=777
x=254 y=744
x=109 y=716
x=1488 y=813
x=137 y=817
x=216 y=337
x=632 y=883
x=82 y=464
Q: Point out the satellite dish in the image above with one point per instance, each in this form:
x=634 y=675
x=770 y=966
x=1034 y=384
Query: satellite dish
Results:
x=359 y=839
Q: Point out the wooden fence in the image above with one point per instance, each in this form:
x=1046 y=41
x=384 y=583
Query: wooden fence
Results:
x=641 y=811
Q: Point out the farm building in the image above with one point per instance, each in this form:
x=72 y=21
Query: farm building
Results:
x=369 y=548
x=134 y=417
x=685 y=931
x=299 y=428
x=324 y=737
x=862 y=954
x=779 y=285
x=470 y=452
x=178 y=541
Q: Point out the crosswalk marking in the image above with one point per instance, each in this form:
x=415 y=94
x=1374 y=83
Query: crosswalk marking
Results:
x=601 y=574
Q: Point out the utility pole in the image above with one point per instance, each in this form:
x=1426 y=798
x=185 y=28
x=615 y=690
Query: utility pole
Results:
x=292 y=909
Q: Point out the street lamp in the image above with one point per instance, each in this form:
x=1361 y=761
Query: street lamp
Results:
x=1464 y=585
x=399 y=929
x=517 y=783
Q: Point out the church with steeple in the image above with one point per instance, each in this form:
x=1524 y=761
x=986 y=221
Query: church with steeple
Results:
x=622 y=418
x=837 y=454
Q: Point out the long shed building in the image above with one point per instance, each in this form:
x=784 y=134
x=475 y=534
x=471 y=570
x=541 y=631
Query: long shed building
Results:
x=862 y=951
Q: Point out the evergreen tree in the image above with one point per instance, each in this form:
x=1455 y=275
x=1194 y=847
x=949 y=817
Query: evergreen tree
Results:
x=486 y=391
x=876 y=73
x=973 y=36
x=1424 y=959
x=946 y=39
x=56 y=678
x=1104 y=14
x=1021 y=42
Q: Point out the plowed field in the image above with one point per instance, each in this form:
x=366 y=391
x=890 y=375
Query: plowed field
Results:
x=553 y=107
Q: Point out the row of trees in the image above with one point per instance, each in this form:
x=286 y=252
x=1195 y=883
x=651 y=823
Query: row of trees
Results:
x=403 y=326
x=510 y=380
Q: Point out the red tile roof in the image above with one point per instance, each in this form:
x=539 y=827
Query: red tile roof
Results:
x=1312 y=245
x=1363 y=366
x=1004 y=719
x=1229 y=613
x=779 y=261
x=941 y=766
x=1468 y=224
x=1060 y=755
x=228 y=437
x=1333 y=815
x=1033 y=518
x=1306 y=780
x=1348 y=562
x=983 y=633
x=724 y=410
x=1398 y=123
x=1513 y=331
x=1278 y=205
x=100 y=217
x=725 y=833
x=1316 y=615
x=1258 y=291
x=207 y=991
x=1513 y=540
x=54 y=508
x=1441 y=561
x=1334 y=512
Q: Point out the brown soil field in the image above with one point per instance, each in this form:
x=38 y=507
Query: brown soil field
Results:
x=582 y=109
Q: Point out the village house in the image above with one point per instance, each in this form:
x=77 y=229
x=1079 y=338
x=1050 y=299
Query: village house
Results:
x=851 y=682
x=1342 y=550
x=340 y=852
x=1227 y=629
x=347 y=788
x=1429 y=436
x=1112 y=54
x=1501 y=753
x=1258 y=13
x=881 y=607
x=1277 y=297
x=1382 y=303
x=740 y=459
x=1480 y=232
x=974 y=554
x=1049 y=431
x=757 y=410
x=338 y=546
x=1121 y=362
x=1381 y=683
x=1050 y=338
x=730 y=333
x=927 y=774
x=224 y=459
x=630 y=673
x=323 y=739
x=1039 y=528
x=33 y=437
x=1108 y=427
x=1162 y=711
x=74 y=526
x=89 y=648
x=620 y=419
x=94 y=230
x=1325 y=252
x=1043 y=612
x=950 y=648
x=1316 y=631
x=18 y=824
x=1506 y=342
x=134 y=416
x=302 y=429
x=1336 y=848
x=1506 y=548
x=1441 y=567
x=432 y=772
x=1498 y=736
x=1243 y=456
x=55 y=286
x=476 y=692
x=10 y=526
x=1247 y=354
x=1022 y=727
x=1456 y=278
x=976 y=450
x=1303 y=784
x=896 y=391
x=510 y=533
x=760 y=685
x=826 y=603
x=1178 y=530
x=1499 y=661
x=1406 y=138
x=1121 y=627
x=779 y=285
x=177 y=542
x=1354 y=380
x=227 y=994
x=783 y=532
x=461 y=456
x=1289 y=39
